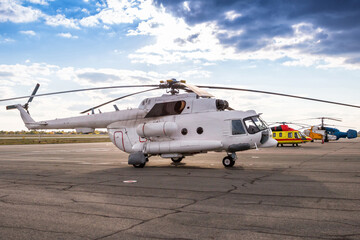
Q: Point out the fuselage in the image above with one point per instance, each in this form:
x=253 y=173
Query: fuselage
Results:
x=283 y=134
x=181 y=124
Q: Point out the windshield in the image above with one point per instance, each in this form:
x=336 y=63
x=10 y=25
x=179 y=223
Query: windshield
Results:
x=254 y=124
x=259 y=122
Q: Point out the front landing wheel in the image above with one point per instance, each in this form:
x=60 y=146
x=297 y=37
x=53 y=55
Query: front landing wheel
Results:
x=228 y=161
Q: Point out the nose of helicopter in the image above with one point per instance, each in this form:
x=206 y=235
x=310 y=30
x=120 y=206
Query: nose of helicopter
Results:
x=269 y=143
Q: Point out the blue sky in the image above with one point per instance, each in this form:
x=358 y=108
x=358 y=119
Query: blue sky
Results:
x=307 y=48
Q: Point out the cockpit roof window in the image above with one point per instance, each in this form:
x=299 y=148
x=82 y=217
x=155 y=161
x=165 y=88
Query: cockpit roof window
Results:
x=167 y=108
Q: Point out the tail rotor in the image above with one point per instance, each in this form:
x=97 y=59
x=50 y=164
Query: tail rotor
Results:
x=26 y=105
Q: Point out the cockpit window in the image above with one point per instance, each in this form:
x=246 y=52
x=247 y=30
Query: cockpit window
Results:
x=250 y=126
x=237 y=127
x=254 y=124
x=167 y=108
x=259 y=123
x=296 y=135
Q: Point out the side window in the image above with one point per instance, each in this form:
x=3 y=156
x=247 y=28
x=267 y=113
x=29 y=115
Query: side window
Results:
x=290 y=135
x=280 y=134
x=237 y=127
x=296 y=135
x=274 y=134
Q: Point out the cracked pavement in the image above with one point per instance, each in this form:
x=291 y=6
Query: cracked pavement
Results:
x=77 y=191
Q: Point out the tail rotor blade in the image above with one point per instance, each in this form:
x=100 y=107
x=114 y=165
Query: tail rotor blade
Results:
x=10 y=107
x=33 y=93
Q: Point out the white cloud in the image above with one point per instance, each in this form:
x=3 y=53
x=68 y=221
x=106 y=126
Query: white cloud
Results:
x=41 y=2
x=232 y=15
x=90 y=21
x=29 y=32
x=6 y=40
x=60 y=20
x=117 y=12
x=13 y=11
x=67 y=35
x=30 y=74
x=186 y=6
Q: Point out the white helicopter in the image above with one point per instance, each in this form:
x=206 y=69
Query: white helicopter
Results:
x=172 y=126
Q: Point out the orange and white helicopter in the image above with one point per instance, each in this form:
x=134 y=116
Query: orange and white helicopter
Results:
x=172 y=126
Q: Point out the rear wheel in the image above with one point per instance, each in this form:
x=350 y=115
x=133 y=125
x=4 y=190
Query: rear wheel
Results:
x=228 y=161
x=177 y=160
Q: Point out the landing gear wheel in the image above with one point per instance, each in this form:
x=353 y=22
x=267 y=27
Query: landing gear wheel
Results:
x=228 y=161
x=177 y=160
x=141 y=165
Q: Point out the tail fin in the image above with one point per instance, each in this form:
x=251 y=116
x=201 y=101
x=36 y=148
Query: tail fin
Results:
x=24 y=115
x=29 y=122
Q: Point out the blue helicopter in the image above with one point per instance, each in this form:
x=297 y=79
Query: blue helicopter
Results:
x=327 y=134
x=351 y=133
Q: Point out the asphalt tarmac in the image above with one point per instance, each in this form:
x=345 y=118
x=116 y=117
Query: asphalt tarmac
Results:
x=87 y=191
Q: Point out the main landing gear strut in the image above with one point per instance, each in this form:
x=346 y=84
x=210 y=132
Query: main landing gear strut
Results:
x=229 y=160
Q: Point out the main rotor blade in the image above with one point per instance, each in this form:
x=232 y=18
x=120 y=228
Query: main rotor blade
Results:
x=279 y=94
x=33 y=93
x=335 y=119
x=131 y=94
x=77 y=90
x=196 y=90
x=329 y=118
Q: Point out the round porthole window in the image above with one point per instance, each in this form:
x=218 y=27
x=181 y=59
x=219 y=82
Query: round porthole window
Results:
x=184 y=131
x=199 y=130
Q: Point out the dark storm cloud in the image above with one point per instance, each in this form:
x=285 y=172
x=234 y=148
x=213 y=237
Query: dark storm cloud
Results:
x=263 y=20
